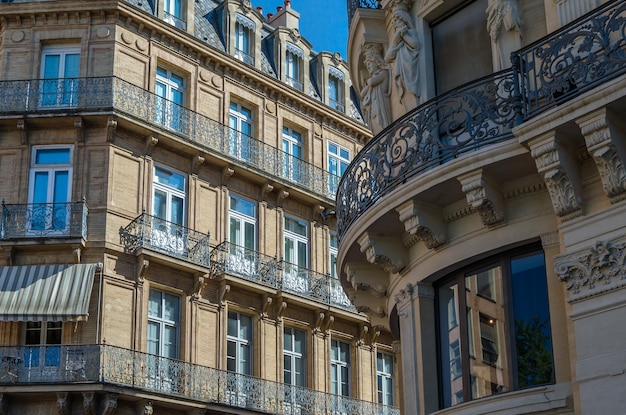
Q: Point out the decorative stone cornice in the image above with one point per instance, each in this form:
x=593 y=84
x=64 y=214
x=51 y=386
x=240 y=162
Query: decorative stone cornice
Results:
x=593 y=271
x=483 y=196
x=423 y=221
x=383 y=251
x=606 y=145
x=557 y=164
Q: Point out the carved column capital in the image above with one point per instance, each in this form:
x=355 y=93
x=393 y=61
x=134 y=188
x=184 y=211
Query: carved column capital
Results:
x=593 y=271
x=423 y=221
x=558 y=166
x=483 y=196
x=606 y=145
x=387 y=252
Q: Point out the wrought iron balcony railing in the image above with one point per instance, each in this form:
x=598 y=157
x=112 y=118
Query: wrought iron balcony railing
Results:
x=175 y=21
x=465 y=119
x=44 y=220
x=556 y=69
x=110 y=365
x=169 y=238
x=110 y=94
x=572 y=60
x=254 y=266
x=361 y=4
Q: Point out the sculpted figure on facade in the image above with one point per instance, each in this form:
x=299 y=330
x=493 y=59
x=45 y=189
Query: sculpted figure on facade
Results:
x=504 y=26
x=375 y=94
x=404 y=51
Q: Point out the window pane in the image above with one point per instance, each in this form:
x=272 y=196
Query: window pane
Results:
x=249 y=235
x=300 y=342
x=72 y=65
x=154 y=304
x=40 y=187
x=232 y=324
x=287 y=372
x=231 y=356
x=51 y=66
x=159 y=204
x=170 y=341
x=153 y=338
x=452 y=382
x=245 y=327
x=52 y=156
x=533 y=338
x=172 y=307
x=60 y=187
x=235 y=231
x=177 y=210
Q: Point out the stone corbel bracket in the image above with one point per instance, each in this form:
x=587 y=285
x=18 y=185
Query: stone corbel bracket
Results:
x=196 y=162
x=557 y=164
x=201 y=282
x=593 y=271
x=151 y=142
x=22 y=127
x=483 y=196
x=266 y=189
x=422 y=222
x=606 y=143
x=364 y=277
x=111 y=127
x=79 y=125
x=388 y=252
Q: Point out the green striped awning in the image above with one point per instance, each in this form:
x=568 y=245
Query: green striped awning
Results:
x=46 y=292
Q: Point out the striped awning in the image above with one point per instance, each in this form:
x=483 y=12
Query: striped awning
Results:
x=46 y=292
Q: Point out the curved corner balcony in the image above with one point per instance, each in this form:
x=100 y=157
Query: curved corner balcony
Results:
x=114 y=95
x=557 y=69
x=353 y=5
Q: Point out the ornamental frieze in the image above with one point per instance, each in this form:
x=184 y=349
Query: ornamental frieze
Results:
x=593 y=271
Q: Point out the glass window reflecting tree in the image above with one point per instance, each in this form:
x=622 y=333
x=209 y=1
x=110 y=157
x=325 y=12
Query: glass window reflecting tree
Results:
x=292 y=154
x=296 y=238
x=170 y=99
x=502 y=342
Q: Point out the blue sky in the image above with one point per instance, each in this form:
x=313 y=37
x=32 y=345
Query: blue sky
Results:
x=324 y=23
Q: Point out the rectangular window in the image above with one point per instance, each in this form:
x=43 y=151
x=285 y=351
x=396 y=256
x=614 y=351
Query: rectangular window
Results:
x=476 y=348
x=239 y=344
x=168 y=210
x=50 y=187
x=40 y=339
x=240 y=141
x=294 y=352
x=293 y=168
x=293 y=59
x=243 y=259
x=60 y=69
x=170 y=100
x=340 y=368
x=384 y=375
x=173 y=13
x=296 y=255
x=335 y=93
x=244 y=30
x=163 y=337
x=338 y=161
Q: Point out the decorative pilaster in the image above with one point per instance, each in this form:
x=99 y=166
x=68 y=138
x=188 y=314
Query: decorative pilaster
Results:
x=593 y=271
x=605 y=143
x=387 y=252
x=483 y=196
x=424 y=222
x=558 y=166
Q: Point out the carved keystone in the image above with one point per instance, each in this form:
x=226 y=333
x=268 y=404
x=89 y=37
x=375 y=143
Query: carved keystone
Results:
x=424 y=222
x=483 y=196
x=387 y=252
x=607 y=145
x=557 y=164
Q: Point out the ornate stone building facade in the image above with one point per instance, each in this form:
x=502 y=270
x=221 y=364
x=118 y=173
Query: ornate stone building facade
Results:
x=168 y=173
x=484 y=225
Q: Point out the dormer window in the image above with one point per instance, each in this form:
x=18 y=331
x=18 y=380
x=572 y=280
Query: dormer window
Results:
x=293 y=64
x=335 y=88
x=244 y=30
x=173 y=13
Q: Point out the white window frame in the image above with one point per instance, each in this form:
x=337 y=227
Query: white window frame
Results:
x=336 y=79
x=244 y=32
x=293 y=66
x=42 y=327
x=333 y=252
x=169 y=112
x=336 y=365
x=341 y=162
x=243 y=259
x=240 y=341
x=239 y=141
x=293 y=279
x=164 y=323
x=64 y=89
x=291 y=140
x=171 y=15
x=243 y=219
x=166 y=233
x=295 y=356
x=170 y=193
x=41 y=354
x=49 y=211
x=385 y=379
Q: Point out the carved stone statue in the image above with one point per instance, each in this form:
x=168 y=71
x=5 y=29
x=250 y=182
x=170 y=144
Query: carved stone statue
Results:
x=404 y=51
x=504 y=27
x=375 y=94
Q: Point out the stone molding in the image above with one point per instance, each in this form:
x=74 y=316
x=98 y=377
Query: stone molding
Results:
x=557 y=165
x=593 y=271
x=604 y=143
x=424 y=222
x=483 y=196
x=383 y=251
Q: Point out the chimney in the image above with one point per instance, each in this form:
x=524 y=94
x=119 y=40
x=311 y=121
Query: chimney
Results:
x=285 y=17
x=260 y=10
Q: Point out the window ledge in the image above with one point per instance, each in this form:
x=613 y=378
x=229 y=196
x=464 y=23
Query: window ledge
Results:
x=528 y=401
